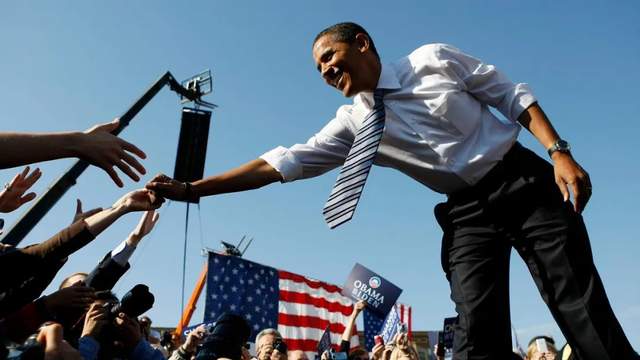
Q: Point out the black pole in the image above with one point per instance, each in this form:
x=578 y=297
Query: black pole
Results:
x=40 y=208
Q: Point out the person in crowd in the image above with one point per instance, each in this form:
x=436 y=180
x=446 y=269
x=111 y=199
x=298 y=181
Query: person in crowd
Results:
x=35 y=266
x=266 y=342
x=124 y=331
x=428 y=115
x=345 y=340
x=565 y=353
x=187 y=350
x=547 y=352
x=382 y=351
x=96 y=145
x=297 y=355
x=404 y=348
x=116 y=262
x=358 y=353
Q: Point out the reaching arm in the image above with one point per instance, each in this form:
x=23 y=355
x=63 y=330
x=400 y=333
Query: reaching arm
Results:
x=346 y=335
x=568 y=173
x=96 y=145
x=252 y=175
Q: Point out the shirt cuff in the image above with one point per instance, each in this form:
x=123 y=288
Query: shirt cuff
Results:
x=523 y=99
x=283 y=160
x=122 y=253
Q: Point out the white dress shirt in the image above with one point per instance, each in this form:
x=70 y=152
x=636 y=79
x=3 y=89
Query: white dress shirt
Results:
x=438 y=126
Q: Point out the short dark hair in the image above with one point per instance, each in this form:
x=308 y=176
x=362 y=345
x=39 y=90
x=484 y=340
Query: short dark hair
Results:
x=346 y=32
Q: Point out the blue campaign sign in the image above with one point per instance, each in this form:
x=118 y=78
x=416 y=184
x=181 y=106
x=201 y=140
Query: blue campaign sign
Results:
x=207 y=325
x=448 y=329
x=379 y=293
x=390 y=326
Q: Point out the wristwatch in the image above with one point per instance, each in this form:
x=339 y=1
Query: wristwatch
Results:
x=560 y=145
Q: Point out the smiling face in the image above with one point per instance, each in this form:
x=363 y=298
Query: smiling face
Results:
x=349 y=67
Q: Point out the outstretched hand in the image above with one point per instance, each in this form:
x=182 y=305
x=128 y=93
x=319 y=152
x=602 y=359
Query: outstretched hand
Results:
x=167 y=187
x=570 y=175
x=144 y=227
x=80 y=215
x=12 y=196
x=139 y=200
x=105 y=150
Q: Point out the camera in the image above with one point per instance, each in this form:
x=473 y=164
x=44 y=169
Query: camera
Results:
x=133 y=304
x=279 y=345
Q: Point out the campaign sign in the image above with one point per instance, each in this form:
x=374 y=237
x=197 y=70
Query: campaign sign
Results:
x=379 y=293
x=391 y=325
x=448 y=330
x=208 y=326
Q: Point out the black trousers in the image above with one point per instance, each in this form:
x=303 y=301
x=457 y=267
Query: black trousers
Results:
x=517 y=204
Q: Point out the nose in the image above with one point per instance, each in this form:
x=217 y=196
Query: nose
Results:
x=328 y=73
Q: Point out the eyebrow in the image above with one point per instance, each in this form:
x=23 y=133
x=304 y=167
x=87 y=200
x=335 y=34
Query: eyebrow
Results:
x=324 y=53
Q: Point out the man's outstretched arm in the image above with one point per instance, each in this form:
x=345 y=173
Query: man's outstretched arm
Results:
x=252 y=175
x=568 y=173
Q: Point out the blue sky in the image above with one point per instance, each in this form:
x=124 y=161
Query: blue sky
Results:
x=67 y=65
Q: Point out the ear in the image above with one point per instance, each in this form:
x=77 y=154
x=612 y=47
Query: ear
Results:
x=362 y=42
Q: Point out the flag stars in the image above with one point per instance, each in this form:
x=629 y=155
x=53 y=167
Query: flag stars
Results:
x=234 y=288
x=235 y=271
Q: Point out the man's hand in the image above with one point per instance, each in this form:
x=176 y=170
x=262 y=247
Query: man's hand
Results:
x=73 y=297
x=144 y=227
x=359 y=306
x=571 y=176
x=95 y=320
x=80 y=215
x=12 y=197
x=105 y=150
x=55 y=347
x=139 y=200
x=193 y=339
x=167 y=187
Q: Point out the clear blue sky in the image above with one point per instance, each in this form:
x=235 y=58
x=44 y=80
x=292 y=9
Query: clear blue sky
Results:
x=67 y=65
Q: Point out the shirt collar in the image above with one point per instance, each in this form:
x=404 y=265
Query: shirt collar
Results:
x=388 y=80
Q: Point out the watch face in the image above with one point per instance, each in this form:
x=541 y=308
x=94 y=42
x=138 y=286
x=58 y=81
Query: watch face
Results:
x=563 y=145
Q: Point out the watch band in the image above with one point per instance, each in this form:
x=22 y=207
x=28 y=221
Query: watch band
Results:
x=559 y=145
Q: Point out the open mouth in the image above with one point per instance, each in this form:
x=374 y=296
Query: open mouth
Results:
x=339 y=81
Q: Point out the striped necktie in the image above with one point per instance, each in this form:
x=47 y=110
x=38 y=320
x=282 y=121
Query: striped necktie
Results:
x=353 y=175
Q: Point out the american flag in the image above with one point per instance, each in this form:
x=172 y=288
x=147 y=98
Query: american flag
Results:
x=299 y=307
x=373 y=323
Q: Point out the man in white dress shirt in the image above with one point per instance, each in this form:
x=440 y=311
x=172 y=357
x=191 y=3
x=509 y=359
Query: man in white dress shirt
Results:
x=439 y=130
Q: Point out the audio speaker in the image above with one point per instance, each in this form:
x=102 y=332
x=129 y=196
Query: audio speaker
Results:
x=192 y=145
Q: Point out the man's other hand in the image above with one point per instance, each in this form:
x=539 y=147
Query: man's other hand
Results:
x=570 y=176
x=105 y=150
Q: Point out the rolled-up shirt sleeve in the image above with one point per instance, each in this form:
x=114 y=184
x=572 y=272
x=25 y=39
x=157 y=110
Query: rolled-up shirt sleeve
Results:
x=324 y=151
x=486 y=83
